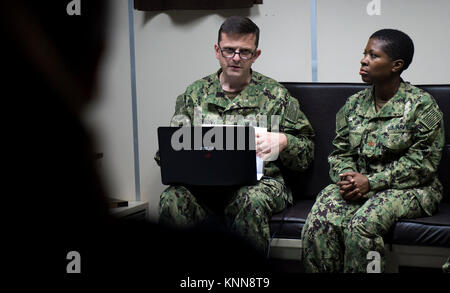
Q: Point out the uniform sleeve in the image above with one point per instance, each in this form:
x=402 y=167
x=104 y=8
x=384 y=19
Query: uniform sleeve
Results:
x=343 y=157
x=420 y=162
x=299 y=133
x=182 y=115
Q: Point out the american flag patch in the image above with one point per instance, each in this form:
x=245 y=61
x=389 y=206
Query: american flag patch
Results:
x=292 y=112
x=431 y=117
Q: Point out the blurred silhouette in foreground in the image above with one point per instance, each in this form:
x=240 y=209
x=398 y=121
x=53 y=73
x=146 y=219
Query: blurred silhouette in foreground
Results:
x=56 y=200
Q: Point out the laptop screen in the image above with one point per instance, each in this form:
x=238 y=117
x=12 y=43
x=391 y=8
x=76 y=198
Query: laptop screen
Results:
x=208 y=155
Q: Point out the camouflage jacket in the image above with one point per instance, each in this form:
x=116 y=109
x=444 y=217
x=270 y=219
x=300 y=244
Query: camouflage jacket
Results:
x=263 y=97
x=399 y=147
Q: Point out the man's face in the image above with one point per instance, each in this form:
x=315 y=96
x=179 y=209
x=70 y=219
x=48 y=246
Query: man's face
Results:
x=376 y=65
x=236 y=67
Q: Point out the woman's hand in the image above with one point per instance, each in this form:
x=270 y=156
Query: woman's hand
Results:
x=353 y=185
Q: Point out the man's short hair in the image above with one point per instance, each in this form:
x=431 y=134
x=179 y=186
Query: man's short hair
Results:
x=239 y=25
x=398 y=45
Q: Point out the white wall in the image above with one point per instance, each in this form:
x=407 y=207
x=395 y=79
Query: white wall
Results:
x=174 y=48
x=343 y=28
x=110 y=117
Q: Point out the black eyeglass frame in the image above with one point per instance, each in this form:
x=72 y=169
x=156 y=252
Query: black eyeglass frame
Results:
x=239 y=53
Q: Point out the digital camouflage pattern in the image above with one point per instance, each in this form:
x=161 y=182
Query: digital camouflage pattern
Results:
x=248 y=208
x=264 y=99
x=398 y=149
x=338 y=234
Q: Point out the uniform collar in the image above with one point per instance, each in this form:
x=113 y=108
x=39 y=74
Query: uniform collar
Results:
x=247 y=98
x=395 y=107
x=215 y=94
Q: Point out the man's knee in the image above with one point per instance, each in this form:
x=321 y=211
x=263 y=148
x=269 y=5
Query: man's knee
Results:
x=178 y=207
x=255 y=203
x=267 y=195
x=174 y=199
x=170 y=196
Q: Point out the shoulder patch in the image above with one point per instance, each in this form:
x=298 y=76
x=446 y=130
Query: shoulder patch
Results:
x=291 y=112
x=340 y=119
x=431 y=117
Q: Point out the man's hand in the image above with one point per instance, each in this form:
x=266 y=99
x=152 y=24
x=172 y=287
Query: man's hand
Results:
x=353 y=185
x=270 y=144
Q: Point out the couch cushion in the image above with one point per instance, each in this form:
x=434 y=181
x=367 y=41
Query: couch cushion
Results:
x=289 y=223
x=441 y=94
x=426 y=231
x=409 y=233
x=320 y=102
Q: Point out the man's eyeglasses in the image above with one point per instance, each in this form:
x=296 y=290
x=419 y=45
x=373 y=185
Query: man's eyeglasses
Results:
x=243 y=54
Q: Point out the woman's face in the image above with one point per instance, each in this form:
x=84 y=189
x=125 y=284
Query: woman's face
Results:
x=376 y=65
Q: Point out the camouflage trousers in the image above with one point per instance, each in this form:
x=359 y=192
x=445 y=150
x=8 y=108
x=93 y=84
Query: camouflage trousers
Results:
x=248 y=209
x=339 y=234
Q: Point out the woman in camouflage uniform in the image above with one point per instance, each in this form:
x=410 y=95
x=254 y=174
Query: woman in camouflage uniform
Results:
x=388 y=145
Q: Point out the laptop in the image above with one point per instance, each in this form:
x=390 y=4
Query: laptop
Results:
x=208 y=156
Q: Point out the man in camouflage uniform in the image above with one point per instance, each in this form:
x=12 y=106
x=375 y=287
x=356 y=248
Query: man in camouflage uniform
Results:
x=236 y=94
x=386 y=155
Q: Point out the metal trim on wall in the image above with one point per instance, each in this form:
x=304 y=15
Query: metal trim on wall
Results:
x=137 y=181
x=313 y=17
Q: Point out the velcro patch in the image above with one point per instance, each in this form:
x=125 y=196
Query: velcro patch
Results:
x=341 y=121
x=292 y=111
x=431 y=117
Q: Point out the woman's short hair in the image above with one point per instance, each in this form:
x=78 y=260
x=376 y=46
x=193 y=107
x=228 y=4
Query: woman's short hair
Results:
x=398 y=45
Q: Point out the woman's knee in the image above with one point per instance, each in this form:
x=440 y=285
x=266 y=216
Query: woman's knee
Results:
x=329 y=202
x=329 y=213
x=366 y=226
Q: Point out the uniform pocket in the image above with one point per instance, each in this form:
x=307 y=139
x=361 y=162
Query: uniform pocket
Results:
x=354 y=139
x=398 y=140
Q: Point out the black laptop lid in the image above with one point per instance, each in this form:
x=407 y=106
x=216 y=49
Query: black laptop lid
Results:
x=207 y=156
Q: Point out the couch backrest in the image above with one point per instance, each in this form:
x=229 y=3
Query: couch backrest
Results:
x=320 y=103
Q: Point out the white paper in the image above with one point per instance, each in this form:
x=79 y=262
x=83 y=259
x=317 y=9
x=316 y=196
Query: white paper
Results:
x=259 y=161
